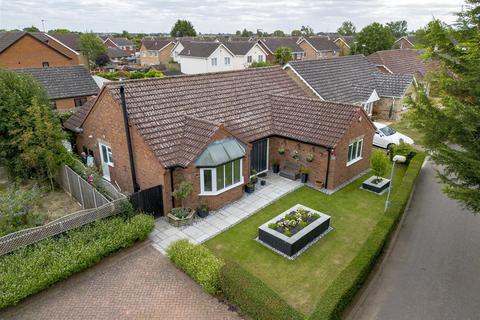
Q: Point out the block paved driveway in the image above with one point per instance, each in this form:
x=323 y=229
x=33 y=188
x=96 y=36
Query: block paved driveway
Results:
x=137 y=283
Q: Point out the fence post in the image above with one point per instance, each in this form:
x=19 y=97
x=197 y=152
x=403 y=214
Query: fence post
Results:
x=65 y=171
x=94 y=198
x=81 y=192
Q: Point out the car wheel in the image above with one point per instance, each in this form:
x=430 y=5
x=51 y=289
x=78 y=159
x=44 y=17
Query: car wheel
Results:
x=389 y=147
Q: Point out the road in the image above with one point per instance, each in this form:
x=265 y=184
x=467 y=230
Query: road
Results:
x=433 y=269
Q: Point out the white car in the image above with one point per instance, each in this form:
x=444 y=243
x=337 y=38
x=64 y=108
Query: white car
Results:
x=385 y=136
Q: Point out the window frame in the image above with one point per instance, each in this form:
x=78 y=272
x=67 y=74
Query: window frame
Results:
x=214 y=60
x=249 y=59
x=355 y=146
x=81 y=101
x=260 y=58
x=227 y=59
x=224 y=188
x=368 y=107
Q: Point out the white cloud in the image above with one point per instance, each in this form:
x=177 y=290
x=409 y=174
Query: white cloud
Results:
x=212 y=16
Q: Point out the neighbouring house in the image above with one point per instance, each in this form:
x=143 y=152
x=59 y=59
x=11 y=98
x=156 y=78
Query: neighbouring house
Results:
x=71 y=41
x=156 y=51
x=319 y=47
x=346 y=44
x=120 y=43
x=205 y=56
x=214 y=129
x=118 y=56
x=402 y=61
x=272 y=44
x=67 y=87
x=355 y=80
x=246 y=53
x=405 y=42
x=33 y=50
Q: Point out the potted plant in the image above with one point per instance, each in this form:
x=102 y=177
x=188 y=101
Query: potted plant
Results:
x=304 y=174
x=295 y=155
x=281 y=150
x=379 y=164
x=275 y=166
x=309 y=157
x=253 y=178
x=182 y=216
x=250 y=187
x=202 y=211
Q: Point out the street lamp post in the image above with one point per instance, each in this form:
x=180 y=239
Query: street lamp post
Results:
x=399 y=159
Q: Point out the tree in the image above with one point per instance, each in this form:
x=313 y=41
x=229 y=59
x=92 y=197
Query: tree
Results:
x=278 y=33
x=91 y=47
x=102 y=60
x=372 y=38
x=246 y=33
x=238 y=33
x=379 y=164
x=451 y=122
x=64 y=31
x=398 y=28
x=30 y=132
x=183 y=28
x=282 y=55
x=182 y=191
x=31 y=29
x=347 y=29
x=296 y=33
x=260 y=64
x=307 y=31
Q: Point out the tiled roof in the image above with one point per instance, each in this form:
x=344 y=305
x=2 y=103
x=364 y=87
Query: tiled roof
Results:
x=274 y=43
x=116 y=53
x=322 y=43
x=122 y=41
x=177 y=115
x=8 y=38
x=402 y=61
x=156 y=44
x=64 y=82
x=392 y=85
x=239 y=48
x=71 y=40
x=77 y=118
x=348 y=79
x=202 y=49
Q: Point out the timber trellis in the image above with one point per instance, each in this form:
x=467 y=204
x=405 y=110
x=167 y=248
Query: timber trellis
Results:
x=96 y=206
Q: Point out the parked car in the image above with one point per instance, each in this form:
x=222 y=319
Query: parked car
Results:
x=386 y=136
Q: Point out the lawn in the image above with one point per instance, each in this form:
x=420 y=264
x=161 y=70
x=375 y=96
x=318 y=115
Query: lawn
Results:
x=303 y=281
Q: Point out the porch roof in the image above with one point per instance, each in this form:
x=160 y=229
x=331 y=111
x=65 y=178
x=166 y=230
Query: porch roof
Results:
x=219 y=152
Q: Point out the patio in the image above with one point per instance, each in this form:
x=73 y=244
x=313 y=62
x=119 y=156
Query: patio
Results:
x=224 y=218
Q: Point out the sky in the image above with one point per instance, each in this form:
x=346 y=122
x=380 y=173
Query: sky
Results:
x=215 y=16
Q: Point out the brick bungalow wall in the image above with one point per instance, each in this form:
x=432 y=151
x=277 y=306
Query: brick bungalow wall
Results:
x=67 y=103
x=381 y=108
x=31 y=53
x=162 y=58
x=310 y=52
x=344 y=49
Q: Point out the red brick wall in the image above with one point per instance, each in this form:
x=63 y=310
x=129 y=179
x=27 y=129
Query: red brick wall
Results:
x=30 y=53
x=68 y=103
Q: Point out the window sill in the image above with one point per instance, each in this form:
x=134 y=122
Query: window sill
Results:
x=353 y=161
x=216 y=193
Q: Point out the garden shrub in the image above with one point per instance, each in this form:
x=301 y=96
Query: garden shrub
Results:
x=403 y=149
x=252 y=296
x=197 y=262
x=344 y=288
x=33 y=268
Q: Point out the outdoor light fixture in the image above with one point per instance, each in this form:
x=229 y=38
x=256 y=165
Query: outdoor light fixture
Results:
x=399 y=159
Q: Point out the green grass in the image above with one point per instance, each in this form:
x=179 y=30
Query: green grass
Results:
x=408 y=130
x=302 y=282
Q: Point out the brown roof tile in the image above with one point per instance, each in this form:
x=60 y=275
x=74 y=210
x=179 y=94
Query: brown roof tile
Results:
x=402 y=61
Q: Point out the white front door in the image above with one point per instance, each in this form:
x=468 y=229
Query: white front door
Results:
x=107 y=160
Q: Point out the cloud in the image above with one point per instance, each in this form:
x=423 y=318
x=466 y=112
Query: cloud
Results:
x=212 y=16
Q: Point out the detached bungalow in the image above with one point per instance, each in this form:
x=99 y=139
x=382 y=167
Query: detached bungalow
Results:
x=345 y=43
x=355 y=80
x=272 y=44
x=67 y=87
x=318 y=47
x=120 y=43
x=155 y=51
x=213 y=129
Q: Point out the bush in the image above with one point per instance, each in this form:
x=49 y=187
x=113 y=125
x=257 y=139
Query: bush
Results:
x=31 y=269
x=402 y=149
x=260 y=64
x=344 y=288
x=197 y=262
x=379 y=163
x=252 y=296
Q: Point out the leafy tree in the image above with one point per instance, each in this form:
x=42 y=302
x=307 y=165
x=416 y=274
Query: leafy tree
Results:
x=246 y=33
x=30 y=133
x=183 y=190
x=31 y=29
x=296 y=33
x=152 y=73
x=238 y=33
x=452 y=123
x=398 y=28
x=102 y=60
x=347 y=29
x=183 y=28
x=91 y=46
x=372 y=38
x=278 y=33
x=282 y=55
x=307 y=31
x=379 y=163
x=64 y=31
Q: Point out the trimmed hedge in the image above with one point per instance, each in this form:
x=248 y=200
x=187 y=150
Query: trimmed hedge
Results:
x=31 y=269
x=252 y=296
x=198 y=262
x=344 y=288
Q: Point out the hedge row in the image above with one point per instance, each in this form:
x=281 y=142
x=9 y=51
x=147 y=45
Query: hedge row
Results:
x=198 y=262
x=344 y=288
x=252 y=296
x=33 y=268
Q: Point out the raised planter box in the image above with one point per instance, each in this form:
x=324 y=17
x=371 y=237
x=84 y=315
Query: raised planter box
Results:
x=291 y=247
x=177 y=222
x=379 y=187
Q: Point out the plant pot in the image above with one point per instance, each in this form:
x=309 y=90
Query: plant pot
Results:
x=304 y=177
x=202 y=213
x=178 y=222
x=249 y=188
x=276 y=168
x=254 y=180
x=263 y=182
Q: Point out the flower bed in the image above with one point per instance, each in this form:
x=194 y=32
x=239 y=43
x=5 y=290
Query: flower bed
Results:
x=294 y=221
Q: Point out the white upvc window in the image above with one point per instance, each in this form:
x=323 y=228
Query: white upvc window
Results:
x=355 y=150
x=260 y=58
x=214 y=62
x=249 y=59
x=219 y=179
x=368 y=108
x=227 y=61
